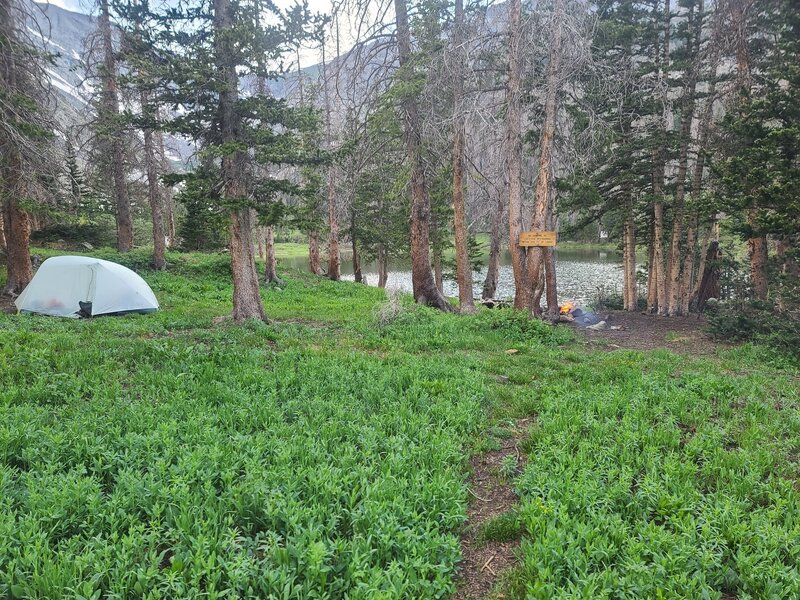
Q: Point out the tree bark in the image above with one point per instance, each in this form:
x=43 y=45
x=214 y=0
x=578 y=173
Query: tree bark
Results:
x=652 y=274
x=16 y=225
x=246 y=293
x=109 y=118
x=551 y=283
x=709 y=284
x=687 y=271
x=313 y=253
x=466 y=300
x=358 y=276
x=513 y=156
x=701 y=267
x=493 y=265
x=156 y=200
x=334 y=259
x=757 y=251
x=270 y=262
x=542 y=195
x=438 y=275
x=2 y=233
x=168 y=201
x=383 y=266
x=630 y=297
x=424 y=285
x=660 y=278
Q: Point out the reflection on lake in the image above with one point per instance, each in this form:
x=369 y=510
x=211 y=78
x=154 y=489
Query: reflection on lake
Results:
x=579 y=273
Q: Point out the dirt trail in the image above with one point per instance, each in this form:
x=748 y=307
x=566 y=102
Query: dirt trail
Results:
x=491 y=495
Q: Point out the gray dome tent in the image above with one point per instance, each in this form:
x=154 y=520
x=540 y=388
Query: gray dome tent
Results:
x=72 y=286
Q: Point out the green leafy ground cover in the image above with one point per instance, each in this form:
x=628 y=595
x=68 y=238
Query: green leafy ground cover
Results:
x=325 y=455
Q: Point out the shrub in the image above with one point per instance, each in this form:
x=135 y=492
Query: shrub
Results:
x=754 y=321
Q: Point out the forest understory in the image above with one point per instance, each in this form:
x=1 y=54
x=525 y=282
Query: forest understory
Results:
x=340 y=449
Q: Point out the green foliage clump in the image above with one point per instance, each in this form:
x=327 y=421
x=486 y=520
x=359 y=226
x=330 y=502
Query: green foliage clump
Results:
x=754 y=321
x=517 y=326
x=503 y=528
x=205 y=225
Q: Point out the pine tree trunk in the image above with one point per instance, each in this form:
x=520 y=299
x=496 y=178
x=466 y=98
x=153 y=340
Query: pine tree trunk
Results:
x=16 y=225
x=109 y=115
x=629 y=253
x=493 y=265
x=463 y=269
x=625 y=291
x=709 y=283
x=246 y=294
x=313 y=253
x=155 y=198
x=536 y=295
x=358 y=276
x=701 y=267
x=687 y=272
x=513 y=156
x=334 y=264
x=168 y=201
x=542 y=196
x=270 y=262
x=652 y=274
x=425 y=289
x=658 y=257
x=551 y=282
x=15 y=221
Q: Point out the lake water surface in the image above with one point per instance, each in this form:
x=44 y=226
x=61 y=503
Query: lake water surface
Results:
x=579 y=272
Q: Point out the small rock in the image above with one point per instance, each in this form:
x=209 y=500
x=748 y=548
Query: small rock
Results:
x=87 y=245
x=502 y=378
x=512 y=351
x=598 y=326
x=616 y=327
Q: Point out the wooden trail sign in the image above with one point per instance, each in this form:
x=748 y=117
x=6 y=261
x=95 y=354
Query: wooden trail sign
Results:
x=537 y=238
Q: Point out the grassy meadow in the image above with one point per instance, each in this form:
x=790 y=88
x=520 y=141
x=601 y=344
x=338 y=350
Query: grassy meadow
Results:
x=326 y=454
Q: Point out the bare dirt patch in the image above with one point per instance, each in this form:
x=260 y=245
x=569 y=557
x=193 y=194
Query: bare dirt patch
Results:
x=685 y=335
x=491 y=496
x=7 y=305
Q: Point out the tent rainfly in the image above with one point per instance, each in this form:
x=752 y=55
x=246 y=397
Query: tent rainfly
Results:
x=75 y=286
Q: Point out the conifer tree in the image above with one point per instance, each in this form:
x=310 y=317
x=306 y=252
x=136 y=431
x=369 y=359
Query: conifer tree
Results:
x=25 y=132
x=204 y=51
